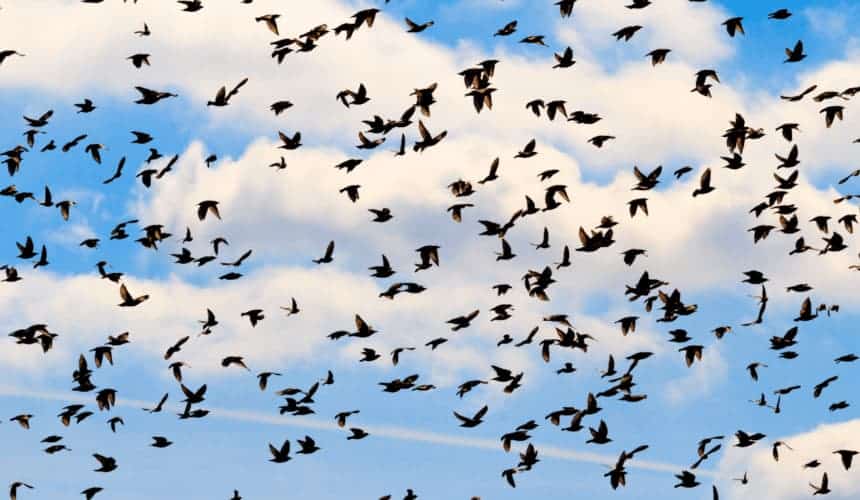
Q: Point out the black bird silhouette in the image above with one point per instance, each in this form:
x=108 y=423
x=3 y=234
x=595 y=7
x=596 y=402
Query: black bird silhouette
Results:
x=626 y=33
x=138 y=60
x=565 y=59
x=474 y=421
x=106 y=464
x=704 y=184
x=271 y=21
x=5 y=54
x=13 y=488
x=280 y=455
x=329 y=254
x=427 y=139
x=796 y=54
x=148 y=96
x=254 y=316
x=658 y=56
x=846 y=456
x=823 y=488
x=129 y=300
x=222 y=98
x=508 y=29
x=356 y=98
x=779 y=14
x=734 y=25
x=417 y=28
x=357 y=433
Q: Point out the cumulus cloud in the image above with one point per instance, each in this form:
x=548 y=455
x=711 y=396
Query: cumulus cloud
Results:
x=787 y=479
x=288 y=217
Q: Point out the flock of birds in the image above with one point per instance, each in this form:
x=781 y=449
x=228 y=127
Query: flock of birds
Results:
x=654 y=294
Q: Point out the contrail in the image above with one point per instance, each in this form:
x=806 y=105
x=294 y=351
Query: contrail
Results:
x=388 y=432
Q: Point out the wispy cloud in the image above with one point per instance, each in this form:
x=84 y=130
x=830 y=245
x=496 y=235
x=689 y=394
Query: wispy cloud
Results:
x=387 y=432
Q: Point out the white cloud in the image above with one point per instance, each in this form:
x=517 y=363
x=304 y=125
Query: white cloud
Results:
x=787 y=479
x=700 y=382
x=692 y=31
x=385 y=432
x=288 y=217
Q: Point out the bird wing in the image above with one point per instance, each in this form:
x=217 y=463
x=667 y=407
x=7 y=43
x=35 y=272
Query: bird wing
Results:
x=425 y=135
x=237 y=87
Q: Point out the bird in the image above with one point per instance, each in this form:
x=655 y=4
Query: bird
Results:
x=138 y=60
x=290 y=143
x=799 y=97
x=534 y=40
x=752 y=368
x=222 y=98
x=7 y=53
x=686 y=479
x=779 y=14
x=280 y=455
x=149 y=96
x=357 y=433
x=823 y=488
x=366 y=143
x=191 y=5
x=704 y=184
x=329 y=255
x=271 y=21
x=160 y=442
x=429 y=255
x=91 y=492
x=143 y=32
x=528 y=151
x=658 y=56
x=308 y=446
x=254 y=316
x=599 y=435
x=599 y=140
x=565 y=59
x=356 y=98
x=234 y=360
x=128 y=300
x=284 y=212
x=159 y=407
x=734 y=25
x=796 y=54
x=13 y=488
x=207 y=207
x=508 y=29
x=86 y=106
x=417 y=28
x=293 y=307
x=461 y=322
x=475 y=420
x=646 y=182
x=831 y=113
x=626 y=33
x=106 y=464
x=427 y=139
x=846 y=457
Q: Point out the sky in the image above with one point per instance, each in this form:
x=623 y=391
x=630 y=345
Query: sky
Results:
x=700 y=246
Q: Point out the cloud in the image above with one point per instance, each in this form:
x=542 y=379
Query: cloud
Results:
x=787 y=479
x=641 y=105
x=831 y=22
x=288 y=217
x=700 y=382
x=384 y=432
x=692 y=31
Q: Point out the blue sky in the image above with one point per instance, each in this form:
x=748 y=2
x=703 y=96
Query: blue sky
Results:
x=700 y=247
